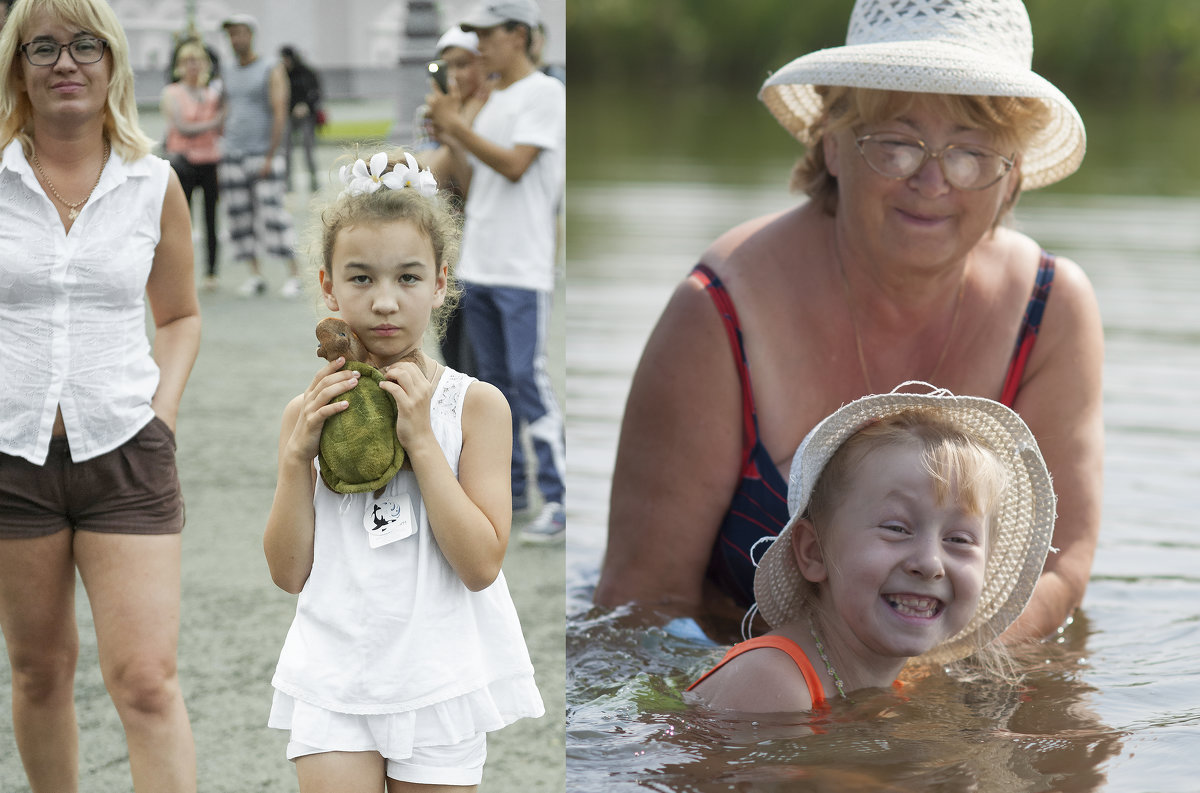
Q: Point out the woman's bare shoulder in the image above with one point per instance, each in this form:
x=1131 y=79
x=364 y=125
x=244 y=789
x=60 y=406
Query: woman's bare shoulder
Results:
x=750 y=241
x=1071 y=283
x=1011 y=250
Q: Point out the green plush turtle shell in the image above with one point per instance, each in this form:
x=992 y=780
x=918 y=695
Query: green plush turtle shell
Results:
x=359 y=448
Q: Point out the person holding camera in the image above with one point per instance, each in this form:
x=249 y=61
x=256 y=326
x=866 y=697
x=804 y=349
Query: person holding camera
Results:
x=459 y=63
x=515 y=150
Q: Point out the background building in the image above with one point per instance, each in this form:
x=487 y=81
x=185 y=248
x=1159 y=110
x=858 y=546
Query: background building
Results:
x=363 y=49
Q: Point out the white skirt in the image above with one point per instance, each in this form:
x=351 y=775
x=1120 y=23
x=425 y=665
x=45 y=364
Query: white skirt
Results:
x=394 y=735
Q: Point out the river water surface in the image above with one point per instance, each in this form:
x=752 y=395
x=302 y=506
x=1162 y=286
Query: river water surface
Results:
x=1111 y=704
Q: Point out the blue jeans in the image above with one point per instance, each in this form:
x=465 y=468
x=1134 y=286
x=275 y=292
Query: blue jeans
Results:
x=507 y=328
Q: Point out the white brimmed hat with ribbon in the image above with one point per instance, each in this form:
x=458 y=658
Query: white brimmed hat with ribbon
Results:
x=1021 y=528
x=967 y=47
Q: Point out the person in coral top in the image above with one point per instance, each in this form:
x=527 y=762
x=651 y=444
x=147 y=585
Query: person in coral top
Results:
x=195 y=114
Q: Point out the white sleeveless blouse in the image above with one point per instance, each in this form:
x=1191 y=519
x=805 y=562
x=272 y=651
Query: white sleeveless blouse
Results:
x=73 y=310
x=393 y=629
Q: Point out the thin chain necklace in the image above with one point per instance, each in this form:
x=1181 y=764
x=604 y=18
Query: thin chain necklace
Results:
x=837 y=681
x=74 y=208
x=862 y=358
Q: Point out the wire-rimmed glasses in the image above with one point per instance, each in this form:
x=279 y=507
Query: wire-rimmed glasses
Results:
x=965 y=166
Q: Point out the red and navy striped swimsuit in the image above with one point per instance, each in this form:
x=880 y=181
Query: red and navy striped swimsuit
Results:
x=759 y=506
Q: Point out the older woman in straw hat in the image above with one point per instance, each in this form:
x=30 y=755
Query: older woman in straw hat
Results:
x=920 y=133
x=90 y=226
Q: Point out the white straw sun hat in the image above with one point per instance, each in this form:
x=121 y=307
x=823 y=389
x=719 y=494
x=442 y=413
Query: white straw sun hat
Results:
x=970 y=47
x=1022 y=525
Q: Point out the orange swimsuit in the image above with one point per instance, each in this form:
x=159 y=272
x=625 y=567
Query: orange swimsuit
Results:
x=815 y=690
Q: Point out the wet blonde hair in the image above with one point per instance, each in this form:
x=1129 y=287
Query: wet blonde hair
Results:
x=189 y=48
x=435 y=218
x=1011 y=120
x=97 y=18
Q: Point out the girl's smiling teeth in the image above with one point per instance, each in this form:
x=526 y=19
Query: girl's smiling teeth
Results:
x=914 y=605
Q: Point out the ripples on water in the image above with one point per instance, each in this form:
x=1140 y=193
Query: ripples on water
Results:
x=1113 y=704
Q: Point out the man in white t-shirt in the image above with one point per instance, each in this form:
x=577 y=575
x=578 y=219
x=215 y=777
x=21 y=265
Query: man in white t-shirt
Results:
x=515 y=153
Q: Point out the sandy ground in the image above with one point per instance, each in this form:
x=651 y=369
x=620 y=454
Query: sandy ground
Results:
x=255 y=355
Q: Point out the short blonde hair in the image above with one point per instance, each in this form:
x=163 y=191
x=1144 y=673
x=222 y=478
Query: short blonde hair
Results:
x=191 y=47
x=1012 y=120
x=95 y=16
x=435 y=217
x=959 y=463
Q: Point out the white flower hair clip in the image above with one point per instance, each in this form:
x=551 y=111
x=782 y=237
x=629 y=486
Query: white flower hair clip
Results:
x=362 y=178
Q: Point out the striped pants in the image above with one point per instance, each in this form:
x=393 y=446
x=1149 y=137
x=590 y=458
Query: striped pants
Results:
x=258 y=220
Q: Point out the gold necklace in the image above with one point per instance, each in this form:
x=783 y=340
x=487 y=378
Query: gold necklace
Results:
x=837 y=681
x=74 y=208
x=862 y=359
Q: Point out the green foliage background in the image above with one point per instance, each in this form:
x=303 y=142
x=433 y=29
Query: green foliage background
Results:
x=1098 y=50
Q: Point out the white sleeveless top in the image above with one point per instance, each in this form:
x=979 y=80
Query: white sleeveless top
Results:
x=73 y=309
x=393 y=629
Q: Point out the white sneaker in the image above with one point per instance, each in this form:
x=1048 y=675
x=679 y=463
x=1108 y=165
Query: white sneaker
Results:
x=291 y=288
x=549 y=526
x=254 y=285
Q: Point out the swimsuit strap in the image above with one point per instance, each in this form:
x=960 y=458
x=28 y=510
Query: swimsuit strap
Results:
x=1028 y=333
x=758 y=507
x=724 y=303
x=815 y=690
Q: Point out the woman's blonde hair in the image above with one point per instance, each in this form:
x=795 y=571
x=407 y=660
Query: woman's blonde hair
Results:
x=95 y=16
x=435 y=217
x=191 y=47
x=1012 y=120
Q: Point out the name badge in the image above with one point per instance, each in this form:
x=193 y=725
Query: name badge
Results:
x=389 y=519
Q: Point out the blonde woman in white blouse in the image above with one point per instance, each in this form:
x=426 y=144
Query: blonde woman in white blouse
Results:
x=90 y=225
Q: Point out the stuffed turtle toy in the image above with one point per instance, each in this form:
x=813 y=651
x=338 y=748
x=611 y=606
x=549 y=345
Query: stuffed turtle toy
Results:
x=359 y=449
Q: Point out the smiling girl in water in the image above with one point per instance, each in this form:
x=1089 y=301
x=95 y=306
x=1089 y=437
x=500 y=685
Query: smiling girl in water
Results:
x=919 y=525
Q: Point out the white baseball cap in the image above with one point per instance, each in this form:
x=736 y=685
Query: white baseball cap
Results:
x=457 y=37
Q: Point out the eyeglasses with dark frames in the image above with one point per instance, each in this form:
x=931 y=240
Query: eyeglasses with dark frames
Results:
x=46 y=52
x=965 y=166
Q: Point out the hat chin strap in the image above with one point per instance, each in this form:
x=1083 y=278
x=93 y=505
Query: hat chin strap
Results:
x=747 y=628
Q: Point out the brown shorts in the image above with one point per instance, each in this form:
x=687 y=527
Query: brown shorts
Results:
x=134 y=489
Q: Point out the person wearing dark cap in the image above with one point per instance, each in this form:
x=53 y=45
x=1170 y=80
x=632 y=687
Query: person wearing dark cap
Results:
x=252 y=171
x=515 y=151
